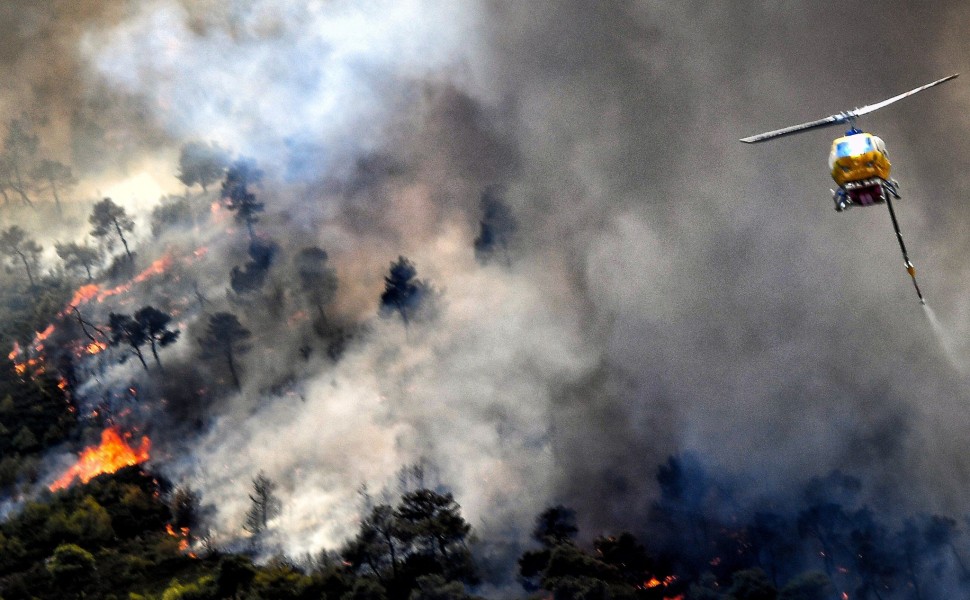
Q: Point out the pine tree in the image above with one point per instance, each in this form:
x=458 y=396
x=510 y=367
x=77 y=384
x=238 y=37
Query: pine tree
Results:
x=76 y=256
x=497 y=228
x=154 y=324
x=57 y=176
x=15 y=244
x=226 y=338
x=265 y=505
x=107 y=217
x=318 y=280
x=20 y=147
x=403 y=291
x=236 y=194
x=202 y=164
x=126 y=330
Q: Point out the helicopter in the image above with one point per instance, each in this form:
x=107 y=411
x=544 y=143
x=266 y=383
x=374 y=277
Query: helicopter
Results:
x=859 y=164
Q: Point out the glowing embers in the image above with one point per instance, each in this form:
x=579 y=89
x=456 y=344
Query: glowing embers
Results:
x=43 y=335
x=112 y=454
x=184 y=536
x=27 y=362
x=16 y=357
x=30 y=360
x=95 y=347
x=654 y=583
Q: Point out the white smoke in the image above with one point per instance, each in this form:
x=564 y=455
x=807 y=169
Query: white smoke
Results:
x=254 y=75
x=470 y=393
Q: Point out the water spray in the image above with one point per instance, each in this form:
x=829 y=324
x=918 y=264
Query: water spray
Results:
x=946 y=340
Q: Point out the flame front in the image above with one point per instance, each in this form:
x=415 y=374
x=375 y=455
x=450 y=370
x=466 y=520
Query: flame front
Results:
x=82 y=295
x=156 y=268
x=43 y=335
x=113 y=453
x=655 y=583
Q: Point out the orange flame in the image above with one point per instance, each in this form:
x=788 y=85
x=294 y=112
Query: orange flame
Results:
x=112 y=454
x=182 y=534
x=93 y=290
x=653 y=582
x=95 y=347
x=43 y=335
x=83 y=294
x=156 y=268
x=30 y=360
x=21 y=362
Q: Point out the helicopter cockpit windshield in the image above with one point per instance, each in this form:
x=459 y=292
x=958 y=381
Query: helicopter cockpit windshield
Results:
x=858 y=151
x=854 y=145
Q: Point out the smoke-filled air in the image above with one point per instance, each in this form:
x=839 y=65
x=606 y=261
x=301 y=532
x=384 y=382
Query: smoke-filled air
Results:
x=416 y=299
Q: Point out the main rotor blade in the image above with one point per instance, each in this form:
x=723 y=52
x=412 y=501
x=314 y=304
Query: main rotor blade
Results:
x=770 y=135
x=868 y=109
x=841 y=117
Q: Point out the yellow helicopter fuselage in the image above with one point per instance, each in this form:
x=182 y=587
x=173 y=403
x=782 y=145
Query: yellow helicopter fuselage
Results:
x=858 y=157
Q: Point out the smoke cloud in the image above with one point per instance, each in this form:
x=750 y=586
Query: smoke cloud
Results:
x=671 y=290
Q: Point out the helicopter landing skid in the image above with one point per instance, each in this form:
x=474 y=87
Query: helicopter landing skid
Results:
x=865 y=193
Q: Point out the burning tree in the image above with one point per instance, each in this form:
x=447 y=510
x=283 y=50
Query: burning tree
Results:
x=202 y=164
x=225 y=338
x=76 y=256
x=184 y=504
x=107 y=217
x=17 y=247
x=238 y=198
x=619 y=566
